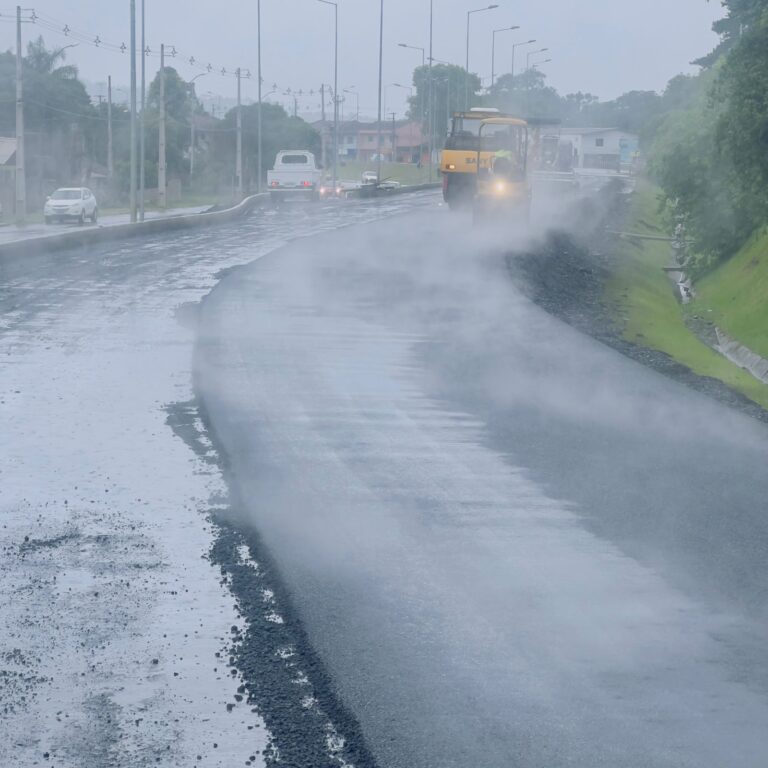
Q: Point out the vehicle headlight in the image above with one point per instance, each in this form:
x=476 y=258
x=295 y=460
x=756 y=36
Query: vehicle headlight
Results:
x=500 y=187
x=75 y=208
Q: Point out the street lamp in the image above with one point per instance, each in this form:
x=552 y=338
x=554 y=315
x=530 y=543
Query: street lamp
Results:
x=493 y=51
x=259 y=130
x=514 y=48
x=421 y=95
x=142 y=118
x=466 y=74
x=335 y=91
x=533 y=53
x=352 y=92
x=134 y=153
x=380 y=136
x=431 y=87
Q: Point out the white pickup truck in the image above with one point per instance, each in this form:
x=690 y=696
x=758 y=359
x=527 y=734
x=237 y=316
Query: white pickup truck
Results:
x=295 y=176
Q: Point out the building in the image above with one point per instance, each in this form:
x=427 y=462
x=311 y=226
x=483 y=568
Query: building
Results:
x=401 y=141
x=601 y=149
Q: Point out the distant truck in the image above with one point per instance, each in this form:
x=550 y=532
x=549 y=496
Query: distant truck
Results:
x=294 y=177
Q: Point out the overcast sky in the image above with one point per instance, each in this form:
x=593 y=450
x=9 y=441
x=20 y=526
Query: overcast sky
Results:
x=605 y=47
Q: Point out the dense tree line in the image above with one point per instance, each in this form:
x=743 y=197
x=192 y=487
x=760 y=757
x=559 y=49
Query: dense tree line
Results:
x=67 y=133
x=710 y=155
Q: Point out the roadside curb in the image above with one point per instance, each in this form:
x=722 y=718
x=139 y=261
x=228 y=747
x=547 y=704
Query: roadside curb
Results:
x=82 y=238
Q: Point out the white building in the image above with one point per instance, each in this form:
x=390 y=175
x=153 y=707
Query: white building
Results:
x=603 y=149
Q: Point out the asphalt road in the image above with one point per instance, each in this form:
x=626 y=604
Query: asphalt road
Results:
x=509 y=545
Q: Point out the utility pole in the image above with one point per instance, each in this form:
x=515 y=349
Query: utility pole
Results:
x=110 y=140
x=380 y=135
x=21 y=173
x=193 y=125
x=142 y=123
x=162 y=168
x=134 y=157
x=394 y=138
x=259 y=151
x=239 y=153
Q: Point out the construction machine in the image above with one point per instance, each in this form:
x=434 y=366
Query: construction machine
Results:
x=460 y=160
x=503 y=190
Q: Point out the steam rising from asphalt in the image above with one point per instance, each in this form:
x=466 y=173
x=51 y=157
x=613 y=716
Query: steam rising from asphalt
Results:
x=484 y=519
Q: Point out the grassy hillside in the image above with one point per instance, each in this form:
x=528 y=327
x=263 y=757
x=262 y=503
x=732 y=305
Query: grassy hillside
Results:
x=642 y=301
x=737 y=295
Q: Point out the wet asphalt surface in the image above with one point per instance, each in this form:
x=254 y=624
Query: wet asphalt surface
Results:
x=124 y=634
x=506 y=543
x=458 y=532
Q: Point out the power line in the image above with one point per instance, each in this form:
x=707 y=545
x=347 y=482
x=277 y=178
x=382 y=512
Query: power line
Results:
x=71 y=32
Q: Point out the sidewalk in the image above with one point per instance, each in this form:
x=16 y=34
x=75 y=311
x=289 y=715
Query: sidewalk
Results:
x=13 y=233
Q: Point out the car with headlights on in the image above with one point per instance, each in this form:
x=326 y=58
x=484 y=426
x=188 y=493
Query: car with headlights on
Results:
x=71 y=204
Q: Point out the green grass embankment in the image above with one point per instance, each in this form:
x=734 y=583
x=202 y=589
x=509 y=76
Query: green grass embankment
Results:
x=735 y=295
x=642 y=300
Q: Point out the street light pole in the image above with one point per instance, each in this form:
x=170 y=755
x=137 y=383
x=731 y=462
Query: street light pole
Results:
x=352 y=92
x=421 y=96
x=335 y=92
x=162 y=167
x=533 y=53
x=110 y=140
x=431 y=88
x=21 y=172
x=142 y=124
x=514 y=48
x=259 y=151
x=380 y=136
x=134 y=153
x=239 y=148
x=466 y=72
x=493 y=51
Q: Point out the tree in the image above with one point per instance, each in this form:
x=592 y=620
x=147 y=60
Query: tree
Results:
x=279 y=131
x=741 y=16
x=180 y=104
x=526 y=95
x=449 y=84
x=742 y=126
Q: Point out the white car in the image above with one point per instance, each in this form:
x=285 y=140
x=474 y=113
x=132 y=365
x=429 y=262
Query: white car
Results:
x=73 y=204
x=370 y=177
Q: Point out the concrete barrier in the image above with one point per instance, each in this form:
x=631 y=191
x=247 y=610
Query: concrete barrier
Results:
x=83 y=238
x=375 y=192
